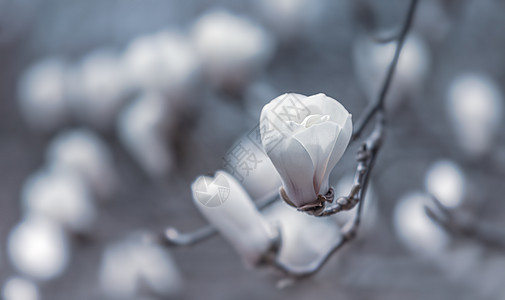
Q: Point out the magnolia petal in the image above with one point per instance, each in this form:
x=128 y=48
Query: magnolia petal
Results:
x=296 y=169
x=324 y=105
x=338 y=150
x=319 y=140
x=227 y=206
x=289 y=107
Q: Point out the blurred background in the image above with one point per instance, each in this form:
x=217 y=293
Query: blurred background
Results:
x=110 y=109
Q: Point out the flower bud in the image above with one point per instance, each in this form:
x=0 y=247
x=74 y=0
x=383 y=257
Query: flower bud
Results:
x=305 y=137
x=226 y=205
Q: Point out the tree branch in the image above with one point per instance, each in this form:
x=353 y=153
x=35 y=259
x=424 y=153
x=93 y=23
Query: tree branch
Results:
x=366 y=158
x=378 y=104
x=467 y=229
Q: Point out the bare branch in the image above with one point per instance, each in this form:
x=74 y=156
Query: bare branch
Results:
x=366 y=158
x=378 y=105
x=467 y=229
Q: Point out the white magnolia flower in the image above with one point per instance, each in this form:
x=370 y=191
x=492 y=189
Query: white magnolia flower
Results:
x=18 y=288
x=99 y=87
x=164 y=61
x=415 y=229
x=42 y=95
x=61 y=196
x=227 y=206
x=301 y=249
x=247 y=161
x=232 y=48
x=371 y=60
x=475 y=107
x=446 y=181
x=84 y=152
x=133 y=267
x=38 y=248
x=305 y=137
x=291 y=19
x=143 y=128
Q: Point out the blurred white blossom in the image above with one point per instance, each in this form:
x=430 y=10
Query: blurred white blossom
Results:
x=43 y=96
x=136 y=266
x=305 y=240
x=144 y=127
x=445 y=180
x=99 y=86
x=38 y=248
x=227 y=206
x=17 y=288
x=305 y=137
x=292 y=18
x=60 y=195
x=415 y=229
x=371 y=61
x=475 y=108
x=84 y=152
x=164 y=62
x=232 y=48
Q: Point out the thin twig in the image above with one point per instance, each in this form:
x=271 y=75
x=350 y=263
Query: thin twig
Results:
x=173 y=238
x=467 y=229
x=366 y=160
x=366 y=155
x=378 y=105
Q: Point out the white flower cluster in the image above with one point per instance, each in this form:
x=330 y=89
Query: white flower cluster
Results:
x=59 y=201
x=300 y=141
x=142 y=94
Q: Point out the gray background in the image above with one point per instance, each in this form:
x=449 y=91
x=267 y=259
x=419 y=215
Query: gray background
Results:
x=376 y=266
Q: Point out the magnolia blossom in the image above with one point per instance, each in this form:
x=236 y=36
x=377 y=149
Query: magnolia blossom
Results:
x=163 y=61
x=305 y=137
x=42 y=94
x=84 y=152
x=98 y=87
x=301 y=249
x=18 y=288
x=475 y=107
x=232 y=48
x=292 y=18
x=39 y=248
x=445 y=180
x=135 y=266
x=247 y=161
x=371 y=60
x=227 y=206
x=60 y=195
x=415 y=228
x=143 y=130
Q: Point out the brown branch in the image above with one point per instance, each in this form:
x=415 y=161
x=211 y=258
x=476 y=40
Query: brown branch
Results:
x=454 y=225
